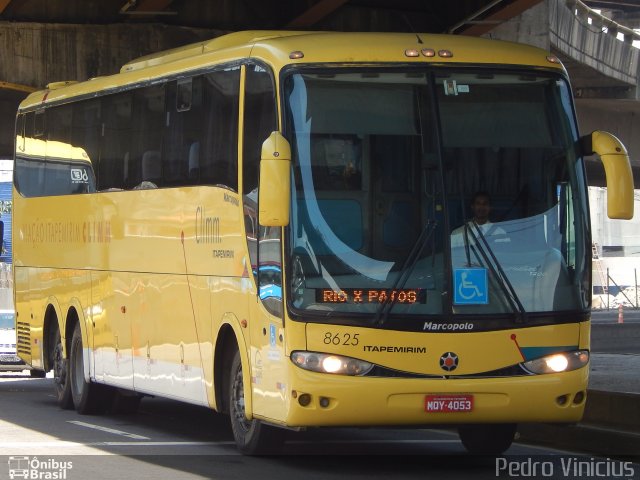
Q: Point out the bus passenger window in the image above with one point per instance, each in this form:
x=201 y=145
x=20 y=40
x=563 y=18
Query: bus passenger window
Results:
x=116 y=142
x=183 y=97
x=218 y=144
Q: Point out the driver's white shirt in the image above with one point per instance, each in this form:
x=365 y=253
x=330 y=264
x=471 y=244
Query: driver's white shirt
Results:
x=487 y=228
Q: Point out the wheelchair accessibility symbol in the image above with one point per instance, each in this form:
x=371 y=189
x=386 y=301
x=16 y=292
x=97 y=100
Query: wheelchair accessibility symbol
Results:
x=470 y=286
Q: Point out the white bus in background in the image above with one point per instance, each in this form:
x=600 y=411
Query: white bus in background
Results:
x=9 y=360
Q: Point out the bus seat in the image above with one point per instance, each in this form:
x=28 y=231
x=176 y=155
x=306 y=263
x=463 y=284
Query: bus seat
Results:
x=151 y=166
x=194 y=160
x=151 y=170
x=399 y=228
x=125 y=169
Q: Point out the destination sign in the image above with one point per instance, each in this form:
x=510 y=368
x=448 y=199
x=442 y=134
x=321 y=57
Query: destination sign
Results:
x=371 y=295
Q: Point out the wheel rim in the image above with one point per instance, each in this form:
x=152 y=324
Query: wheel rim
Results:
x=237 y=402
x=77 y=370
x=59 y=366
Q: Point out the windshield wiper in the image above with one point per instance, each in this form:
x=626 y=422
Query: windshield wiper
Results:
x=494 y=265
x=405 y=272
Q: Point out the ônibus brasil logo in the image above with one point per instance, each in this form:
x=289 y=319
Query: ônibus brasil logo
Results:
x=36 y=469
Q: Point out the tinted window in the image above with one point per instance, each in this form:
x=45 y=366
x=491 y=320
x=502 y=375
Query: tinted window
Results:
x=47 y=163
x=219 y=145
x=116 y=132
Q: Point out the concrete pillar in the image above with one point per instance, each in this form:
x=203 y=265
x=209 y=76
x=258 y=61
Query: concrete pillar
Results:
x=530 y=27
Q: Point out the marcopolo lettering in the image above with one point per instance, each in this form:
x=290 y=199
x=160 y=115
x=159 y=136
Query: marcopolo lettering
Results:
x=447 y=327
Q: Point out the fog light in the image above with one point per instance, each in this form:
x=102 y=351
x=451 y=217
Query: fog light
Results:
x=562 y=400
x=304 y=399
x=324 y=402
x=578 y=398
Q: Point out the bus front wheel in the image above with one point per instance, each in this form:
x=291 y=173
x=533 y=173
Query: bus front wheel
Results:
x=88 y=397
x=487 y=439
x=61 y=375
x=252 y=437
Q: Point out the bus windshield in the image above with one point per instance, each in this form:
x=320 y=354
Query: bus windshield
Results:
x=387 y=164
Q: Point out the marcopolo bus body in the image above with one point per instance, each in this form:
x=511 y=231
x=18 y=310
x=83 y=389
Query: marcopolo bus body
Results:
x=275 y=225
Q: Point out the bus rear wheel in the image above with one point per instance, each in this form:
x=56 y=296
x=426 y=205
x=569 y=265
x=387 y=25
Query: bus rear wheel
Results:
x=88 y=397
x=61 y=375
x=487 y=439
x=252 y=437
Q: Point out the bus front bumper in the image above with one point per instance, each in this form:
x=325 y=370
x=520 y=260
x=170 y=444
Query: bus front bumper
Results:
x=333 y=400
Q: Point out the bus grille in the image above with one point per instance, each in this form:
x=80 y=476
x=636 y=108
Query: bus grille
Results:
x=24 y=338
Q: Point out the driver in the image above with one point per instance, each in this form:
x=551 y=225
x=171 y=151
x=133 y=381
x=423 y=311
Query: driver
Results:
x=481 y=209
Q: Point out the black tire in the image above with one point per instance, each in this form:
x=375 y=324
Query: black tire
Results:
x=489 y=439
x=37 y=373
x=252 y=436
x=88 y=397
x=61 y=375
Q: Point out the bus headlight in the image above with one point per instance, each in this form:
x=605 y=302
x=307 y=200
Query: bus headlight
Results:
x=329 y=363
x=558 y=362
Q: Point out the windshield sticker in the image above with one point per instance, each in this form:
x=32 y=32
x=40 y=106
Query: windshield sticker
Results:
x=450 y=87
x=470 y=286
x=79 y=175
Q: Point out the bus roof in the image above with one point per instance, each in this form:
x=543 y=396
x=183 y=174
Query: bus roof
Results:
x=275 y=48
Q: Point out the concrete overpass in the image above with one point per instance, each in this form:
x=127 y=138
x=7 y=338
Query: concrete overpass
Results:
x=42 y=42
x=602 y=61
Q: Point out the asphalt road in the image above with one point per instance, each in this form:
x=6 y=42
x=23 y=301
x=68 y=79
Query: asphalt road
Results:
x=170 y=440
x=629 y=315
x=610 y=336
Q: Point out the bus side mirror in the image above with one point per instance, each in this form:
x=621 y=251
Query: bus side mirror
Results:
x=617 y=169
x=274 y=194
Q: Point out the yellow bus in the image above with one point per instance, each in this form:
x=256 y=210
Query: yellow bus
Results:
x=266 y=226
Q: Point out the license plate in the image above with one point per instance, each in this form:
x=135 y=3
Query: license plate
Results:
x=448 y=403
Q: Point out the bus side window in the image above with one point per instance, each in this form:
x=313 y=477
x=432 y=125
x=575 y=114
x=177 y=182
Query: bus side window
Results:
x=85 y=134
x=148 y=120
x=219 y=141
x=183 y=131
x=113 y=172
x=25 y=175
